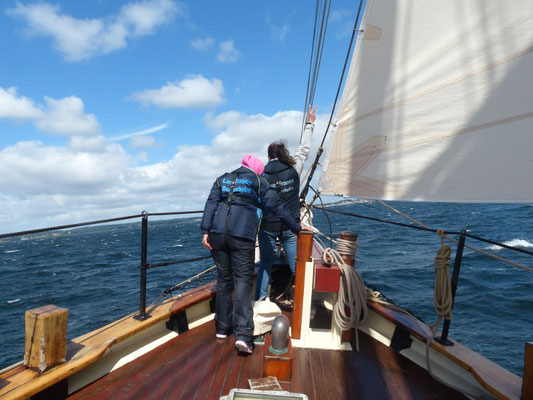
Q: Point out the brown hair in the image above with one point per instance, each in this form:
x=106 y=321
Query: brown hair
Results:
x=279 y=151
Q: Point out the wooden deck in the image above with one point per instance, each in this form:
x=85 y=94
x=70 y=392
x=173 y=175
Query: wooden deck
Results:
x=195 y=365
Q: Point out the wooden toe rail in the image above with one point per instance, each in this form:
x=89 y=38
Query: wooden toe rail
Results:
x=20 y=382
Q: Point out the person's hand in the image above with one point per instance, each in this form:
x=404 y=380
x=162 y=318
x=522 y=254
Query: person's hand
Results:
x=205 y=242
x=311 y=116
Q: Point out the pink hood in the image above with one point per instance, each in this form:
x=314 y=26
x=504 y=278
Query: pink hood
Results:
x=253 y=163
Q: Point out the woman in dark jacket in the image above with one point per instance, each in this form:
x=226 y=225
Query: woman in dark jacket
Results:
x=283 y=173
x=229 y=226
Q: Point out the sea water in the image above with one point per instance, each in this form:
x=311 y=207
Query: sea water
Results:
x=94 y=271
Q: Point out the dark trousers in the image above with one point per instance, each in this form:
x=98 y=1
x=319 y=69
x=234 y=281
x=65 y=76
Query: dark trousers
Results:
x=234 y=258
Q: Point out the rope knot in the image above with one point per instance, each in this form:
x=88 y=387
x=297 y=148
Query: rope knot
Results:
x=442 y=259
x=442 y=234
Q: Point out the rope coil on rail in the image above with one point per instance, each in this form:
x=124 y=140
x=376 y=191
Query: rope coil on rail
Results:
x=442 y=294
x=443 y=300
x=350 y=309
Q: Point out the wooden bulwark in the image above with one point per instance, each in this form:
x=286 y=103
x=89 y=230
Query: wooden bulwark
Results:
x=219 y=365
x=494 y=378
x=527 y=382
x=21 y=383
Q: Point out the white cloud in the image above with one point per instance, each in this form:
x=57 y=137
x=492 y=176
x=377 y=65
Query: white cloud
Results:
x=144 y=17
x=224 y=119
x=193 y=92
x=227 y=53
x=202 y=44
x=78 y=39
x=91 y=144
x=15 y=107
x=143 y=132
x=48 y=185
x=336 y=15
x=279 y=32
x=142 y=142
x=342 y=23
x=66 y=117
x=31 y=169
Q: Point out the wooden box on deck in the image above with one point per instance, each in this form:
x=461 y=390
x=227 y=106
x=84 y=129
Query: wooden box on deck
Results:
x=278 y=365
x=46 y=336
x=327 y=277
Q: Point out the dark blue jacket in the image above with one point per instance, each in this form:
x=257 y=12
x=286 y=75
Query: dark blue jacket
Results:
x=250 y=191
x=285 y=180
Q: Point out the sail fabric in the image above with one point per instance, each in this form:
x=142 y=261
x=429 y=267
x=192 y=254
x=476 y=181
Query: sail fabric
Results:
x=438 y=104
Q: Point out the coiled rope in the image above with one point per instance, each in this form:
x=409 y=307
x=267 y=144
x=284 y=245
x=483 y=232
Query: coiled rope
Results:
x=442 y=294
x=443 y=300
x=350 y=309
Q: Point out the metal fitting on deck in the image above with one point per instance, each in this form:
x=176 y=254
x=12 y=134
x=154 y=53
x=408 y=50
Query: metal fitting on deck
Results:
x=280 y=334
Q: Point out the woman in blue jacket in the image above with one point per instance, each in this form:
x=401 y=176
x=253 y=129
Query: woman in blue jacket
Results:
x=229 y=225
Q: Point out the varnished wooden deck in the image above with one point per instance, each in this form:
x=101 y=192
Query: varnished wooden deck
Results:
x=195 y=365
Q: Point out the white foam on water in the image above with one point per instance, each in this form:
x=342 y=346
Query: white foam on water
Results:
x=513 y=243
x=13 y=301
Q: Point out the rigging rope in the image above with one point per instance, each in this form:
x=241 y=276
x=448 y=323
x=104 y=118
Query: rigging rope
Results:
x=315 y=58
x=352 y=294
x=485 y=253
x=321 y=149
x=425 y=228
x=185 y=282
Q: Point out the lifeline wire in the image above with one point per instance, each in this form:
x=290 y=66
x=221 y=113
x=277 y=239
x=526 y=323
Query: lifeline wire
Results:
x=485 y=253
x=423 y=228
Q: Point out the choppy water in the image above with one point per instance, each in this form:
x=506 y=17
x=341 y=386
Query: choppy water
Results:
x=94 y=272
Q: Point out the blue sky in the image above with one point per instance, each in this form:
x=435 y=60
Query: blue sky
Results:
x=111 y=108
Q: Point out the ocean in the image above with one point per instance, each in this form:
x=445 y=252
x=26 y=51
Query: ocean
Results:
x=94 y=271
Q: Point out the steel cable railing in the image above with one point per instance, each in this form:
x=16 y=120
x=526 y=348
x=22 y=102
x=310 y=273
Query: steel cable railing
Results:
x=144 y=246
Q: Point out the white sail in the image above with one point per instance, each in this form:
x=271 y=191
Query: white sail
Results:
x=438 y=104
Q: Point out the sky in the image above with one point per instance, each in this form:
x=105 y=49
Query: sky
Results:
x=109 y=108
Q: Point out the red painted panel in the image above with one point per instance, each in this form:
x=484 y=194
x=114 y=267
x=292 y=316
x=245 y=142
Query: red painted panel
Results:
x=327 y=277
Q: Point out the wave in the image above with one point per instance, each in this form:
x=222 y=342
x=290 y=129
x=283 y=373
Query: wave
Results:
x=11 y=251
x=514 y=243
x=13 y=301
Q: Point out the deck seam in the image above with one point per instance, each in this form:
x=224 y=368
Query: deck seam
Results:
x=214 y=370
x=225 y=376
x=199 y=357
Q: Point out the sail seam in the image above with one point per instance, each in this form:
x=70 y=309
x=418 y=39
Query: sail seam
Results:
x=438 y=87
x=458 y=132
